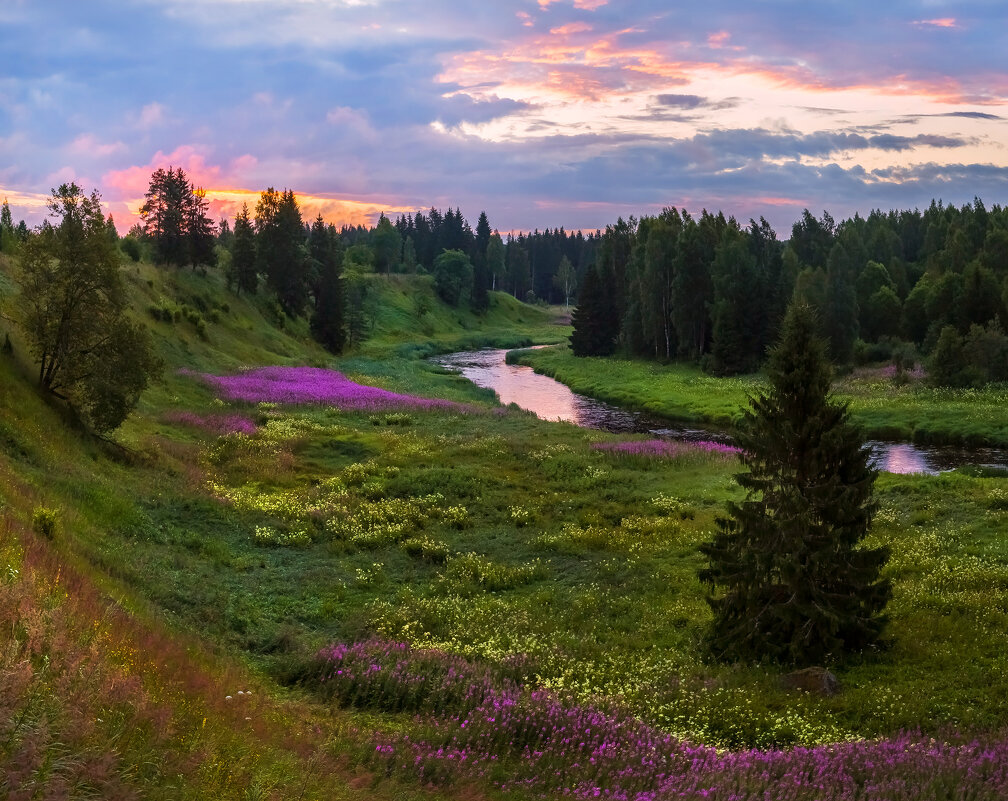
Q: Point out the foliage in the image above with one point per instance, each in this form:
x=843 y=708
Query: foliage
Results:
x=795 y=583
x=594 y=320
x=328 y=320
x=8 y=237
x=244 y=273
x=74 y=313
x=387 y=245
x=453 y=275
x=280 y=248
x=176 y=220
x=974 y=360
x=45 y=522
x=481 y=271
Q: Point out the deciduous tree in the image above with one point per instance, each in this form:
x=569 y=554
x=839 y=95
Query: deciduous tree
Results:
x=88 y=349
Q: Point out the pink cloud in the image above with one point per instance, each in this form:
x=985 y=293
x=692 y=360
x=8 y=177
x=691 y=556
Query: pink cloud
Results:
x=151 y=115
x=89 y=144
x=132 y=182
x=944 y=22
x=226 y=193
x=571 y=28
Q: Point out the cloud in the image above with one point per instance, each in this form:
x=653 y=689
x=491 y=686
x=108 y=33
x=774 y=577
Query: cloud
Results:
x=151 y=115
x=695 y=101
x=944 y=22
x=542 y=113
x=974 y=115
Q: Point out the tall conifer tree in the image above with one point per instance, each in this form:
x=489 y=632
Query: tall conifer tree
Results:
x=793 y=583
x=243 y=254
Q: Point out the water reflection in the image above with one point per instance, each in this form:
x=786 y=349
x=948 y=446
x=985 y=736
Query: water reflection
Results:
x=552 y=400
x=537 y=393
x=902 y=457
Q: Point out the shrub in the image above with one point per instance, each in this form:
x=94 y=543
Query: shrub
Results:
x=45 y=522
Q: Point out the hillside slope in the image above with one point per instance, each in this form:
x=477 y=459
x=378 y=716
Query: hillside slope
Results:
x=103 y=694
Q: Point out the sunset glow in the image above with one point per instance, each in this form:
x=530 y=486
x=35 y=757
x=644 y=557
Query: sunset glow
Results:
x=541 y=112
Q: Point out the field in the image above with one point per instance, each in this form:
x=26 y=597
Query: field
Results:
x=422 y=589
x=886 y=409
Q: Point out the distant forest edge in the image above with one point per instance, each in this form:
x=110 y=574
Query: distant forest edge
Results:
x=906 y=286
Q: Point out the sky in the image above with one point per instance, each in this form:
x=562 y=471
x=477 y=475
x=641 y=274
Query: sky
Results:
x=543 y=113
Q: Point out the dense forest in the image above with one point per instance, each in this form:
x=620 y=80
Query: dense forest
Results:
x=899 y=285
x=908 y=286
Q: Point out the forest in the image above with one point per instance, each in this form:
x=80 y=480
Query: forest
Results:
x=903 y=286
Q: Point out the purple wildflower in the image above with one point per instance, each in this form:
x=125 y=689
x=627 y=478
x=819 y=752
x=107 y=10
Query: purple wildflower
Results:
x=214 y=423
x=475 y=724
x=315 y=385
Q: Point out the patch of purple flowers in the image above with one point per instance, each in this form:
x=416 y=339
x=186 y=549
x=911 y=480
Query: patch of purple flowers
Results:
x=214 y=423
x=666 y=448
x=475 y=724
x=315 y=385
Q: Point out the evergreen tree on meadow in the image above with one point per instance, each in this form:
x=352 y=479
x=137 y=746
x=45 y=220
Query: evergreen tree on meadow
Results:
x=790 y=579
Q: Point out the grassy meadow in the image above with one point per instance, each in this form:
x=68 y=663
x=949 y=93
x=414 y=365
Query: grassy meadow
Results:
x=450 y=560
x=885 y=408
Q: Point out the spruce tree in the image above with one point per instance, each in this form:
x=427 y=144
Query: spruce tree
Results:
x=792 y=582
x=327 y=320
x=594 y=321
x=244 y=270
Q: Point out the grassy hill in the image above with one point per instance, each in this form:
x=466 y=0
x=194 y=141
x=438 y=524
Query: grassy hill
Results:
x=455 y=560
x=106 y=691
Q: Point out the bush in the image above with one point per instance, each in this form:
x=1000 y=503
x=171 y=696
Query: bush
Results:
x=45 y=522
x=130 y=247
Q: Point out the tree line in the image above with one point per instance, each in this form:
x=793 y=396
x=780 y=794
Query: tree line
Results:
x=902 y=285
x=318 y=269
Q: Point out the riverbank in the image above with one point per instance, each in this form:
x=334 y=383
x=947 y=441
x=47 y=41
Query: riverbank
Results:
x=886 y=410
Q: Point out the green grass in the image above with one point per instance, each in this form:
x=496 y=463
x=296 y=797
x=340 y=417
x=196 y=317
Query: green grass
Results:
x=491 y=533
x=682 y=392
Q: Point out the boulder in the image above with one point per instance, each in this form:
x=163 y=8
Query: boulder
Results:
x=811 y=680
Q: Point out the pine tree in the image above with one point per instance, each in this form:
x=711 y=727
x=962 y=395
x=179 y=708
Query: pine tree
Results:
x=165 y=215
x=594 y=320
x=327 y=320
x=281 y=250
x=243 y=254
x=793 y=583
x=481 y=274
x=200 y=235
x=9 y=239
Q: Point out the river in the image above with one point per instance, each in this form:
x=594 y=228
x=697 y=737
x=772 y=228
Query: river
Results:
x=551 y=400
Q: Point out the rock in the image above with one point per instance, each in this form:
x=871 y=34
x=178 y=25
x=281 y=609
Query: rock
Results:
x=811 y=680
